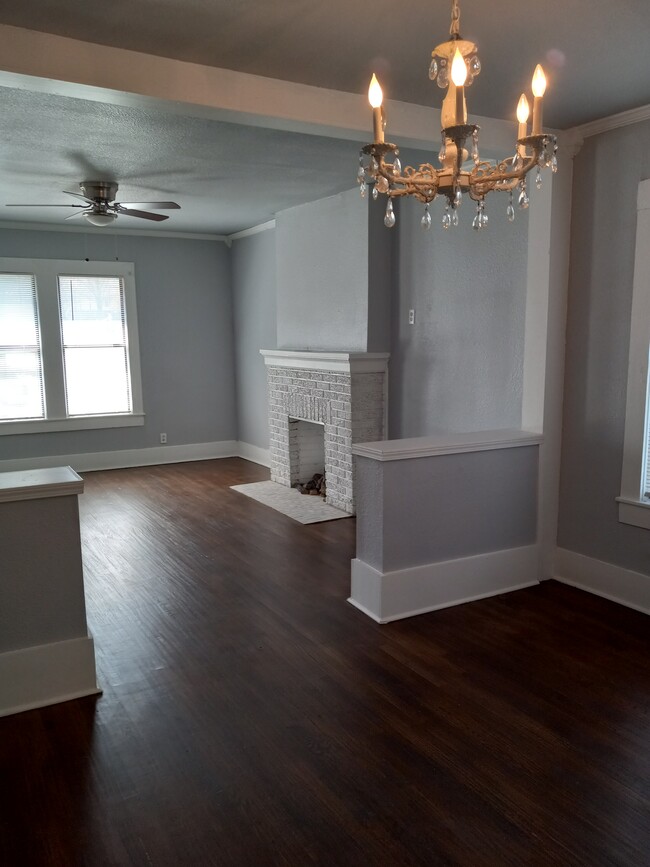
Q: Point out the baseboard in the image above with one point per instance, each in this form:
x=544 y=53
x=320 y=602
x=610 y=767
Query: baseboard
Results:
x=255 y=454
x=604 y=579
x=387 y=596
x=128 y=457
x=47 y=674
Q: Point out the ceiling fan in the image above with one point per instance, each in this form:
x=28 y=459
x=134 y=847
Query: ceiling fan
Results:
x=100 y=207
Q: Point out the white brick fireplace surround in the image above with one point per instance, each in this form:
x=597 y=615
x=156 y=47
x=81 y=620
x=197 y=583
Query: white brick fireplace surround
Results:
x=345 y=392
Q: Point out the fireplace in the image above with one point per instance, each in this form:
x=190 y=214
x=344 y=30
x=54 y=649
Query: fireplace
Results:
x=342 y=395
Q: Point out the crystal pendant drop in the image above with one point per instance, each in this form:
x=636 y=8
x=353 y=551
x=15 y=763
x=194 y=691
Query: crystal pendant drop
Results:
x=458 y=199
x=425 y=222
x=443 y=151
x=538 y=179
x=443 y=77
x=389 y=218
x=524 y=201
x=454 y=219
x=554 y=164
x=433 y=69
x=360 y=174
x=363 y=187
x=475 y=155
x=382 y=184
x=397 y=167
x=475 y=222
x=484 y=220
x=375 y=193
x=374 y=165
x=510 y=211
x=446 y=218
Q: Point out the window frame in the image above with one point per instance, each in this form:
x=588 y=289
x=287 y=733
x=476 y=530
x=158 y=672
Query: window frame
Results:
x=633 y=507
x=46 y=273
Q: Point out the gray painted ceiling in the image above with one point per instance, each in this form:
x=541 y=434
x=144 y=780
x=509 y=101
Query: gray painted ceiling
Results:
x=595 y=50
x=227 y=176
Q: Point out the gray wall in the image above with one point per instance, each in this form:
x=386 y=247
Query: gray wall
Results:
x=603 y=234
x=254 y=305
x=460 y=367
x=427 y=510
x=41 y=580
x=186 y=341
x=322 y=275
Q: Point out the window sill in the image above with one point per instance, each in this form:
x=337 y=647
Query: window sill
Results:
x=635 y=512
x=86 y=422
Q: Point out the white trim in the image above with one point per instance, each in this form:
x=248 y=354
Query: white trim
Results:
x=129 y=457
x=79 y=422
x=254 y=453
x=47 y=674
x=254 y=230
x=40 y=484
x=108 y=230
x=336 y=362
x=634 y=512
x=387 y=596
x=636 y=407
x=624 y=586
x=447 y=444
x=614 y=121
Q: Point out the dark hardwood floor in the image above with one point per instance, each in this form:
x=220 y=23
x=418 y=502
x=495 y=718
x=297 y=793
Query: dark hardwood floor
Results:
x=250 y=716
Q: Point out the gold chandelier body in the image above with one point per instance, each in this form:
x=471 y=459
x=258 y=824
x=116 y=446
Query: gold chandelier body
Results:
x=454 y=64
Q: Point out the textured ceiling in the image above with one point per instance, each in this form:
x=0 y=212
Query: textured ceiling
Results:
x=226 y=177
x=595 y=50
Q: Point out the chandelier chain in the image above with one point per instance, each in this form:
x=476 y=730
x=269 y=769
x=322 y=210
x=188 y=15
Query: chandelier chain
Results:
x=454 y=30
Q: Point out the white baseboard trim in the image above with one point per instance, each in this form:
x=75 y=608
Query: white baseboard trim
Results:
x=255 y=454
x=47 y=674
x=386 y=596
x=128 y=457
x=604 y=579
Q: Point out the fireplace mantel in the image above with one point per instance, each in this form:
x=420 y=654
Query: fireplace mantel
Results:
x=337 y=362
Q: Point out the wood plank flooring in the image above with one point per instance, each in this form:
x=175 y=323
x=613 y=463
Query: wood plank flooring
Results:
x=250 y=716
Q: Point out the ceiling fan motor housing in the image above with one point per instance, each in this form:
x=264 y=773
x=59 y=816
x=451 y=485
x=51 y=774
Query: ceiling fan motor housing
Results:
x=99 y=190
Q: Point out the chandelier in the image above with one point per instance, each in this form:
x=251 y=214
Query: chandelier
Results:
x=454 y=65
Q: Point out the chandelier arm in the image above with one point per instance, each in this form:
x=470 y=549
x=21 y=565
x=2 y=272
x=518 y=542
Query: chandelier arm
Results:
x=485 y=183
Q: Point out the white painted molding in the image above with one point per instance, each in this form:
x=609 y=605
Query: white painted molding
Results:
x=40 y=484
x=614 y=121
x=386 y=596
x=254 y=230
x=47 y=674
x=624 y=586
x=336 y=362
x=446 y=444
x=129 y=457
x=109 y=230
x=634 y=512
x=87 y=422
x=69 y=67
x=255 y=454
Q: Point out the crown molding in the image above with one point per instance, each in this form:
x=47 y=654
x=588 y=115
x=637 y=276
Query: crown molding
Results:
x=614 y=121
x=88 y=230
x=254 y=230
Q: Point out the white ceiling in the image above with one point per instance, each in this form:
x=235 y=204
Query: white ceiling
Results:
x=228 y=176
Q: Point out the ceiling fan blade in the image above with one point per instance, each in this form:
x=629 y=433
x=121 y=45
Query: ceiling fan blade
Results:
x=158 y=206
x=32 y=205
x=144 y=215
x=79 y=196
x=77 y=213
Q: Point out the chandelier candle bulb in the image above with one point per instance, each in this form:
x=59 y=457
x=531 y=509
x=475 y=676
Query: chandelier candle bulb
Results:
x=459 y=76
x=539 y=88
x=523 y=110
x=375 y=98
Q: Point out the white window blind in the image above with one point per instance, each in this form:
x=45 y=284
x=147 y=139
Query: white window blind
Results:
x=95 y=345
x=21 y=368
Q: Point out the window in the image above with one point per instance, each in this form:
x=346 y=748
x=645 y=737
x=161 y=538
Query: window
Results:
x=69 y=355
x=634 y=502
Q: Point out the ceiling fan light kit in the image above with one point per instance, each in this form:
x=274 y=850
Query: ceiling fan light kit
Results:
x=454 y=65
x=100 y=207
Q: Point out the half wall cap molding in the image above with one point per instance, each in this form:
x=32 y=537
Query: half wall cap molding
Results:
x=337 y=362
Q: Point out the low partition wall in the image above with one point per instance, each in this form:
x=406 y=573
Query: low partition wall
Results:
x=443 y=520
